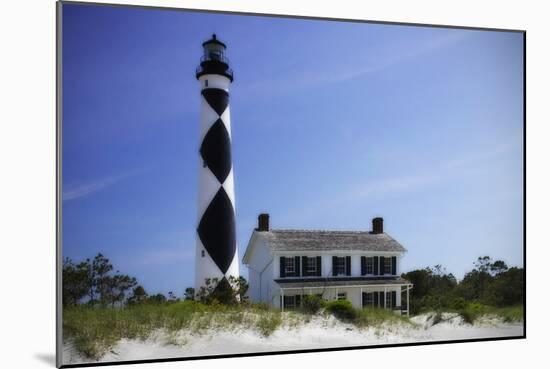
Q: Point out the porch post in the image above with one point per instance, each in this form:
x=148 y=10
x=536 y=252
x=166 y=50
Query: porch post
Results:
x=408 y=301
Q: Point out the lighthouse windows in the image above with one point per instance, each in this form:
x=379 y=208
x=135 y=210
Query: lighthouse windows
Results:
x=202 y=253
x=205 y=83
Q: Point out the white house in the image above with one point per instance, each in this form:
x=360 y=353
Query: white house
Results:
x=363 y=267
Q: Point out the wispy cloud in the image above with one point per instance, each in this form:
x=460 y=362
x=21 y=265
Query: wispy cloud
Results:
x=395 y=184
x=317 y=74
x=400 y=185
x=78 y=190
x=162 y=255
x=447 y=169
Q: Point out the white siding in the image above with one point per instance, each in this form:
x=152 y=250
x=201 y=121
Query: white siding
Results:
x=262 y=262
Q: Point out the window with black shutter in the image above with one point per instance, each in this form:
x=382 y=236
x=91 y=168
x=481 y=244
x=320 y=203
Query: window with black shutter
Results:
x=289 y=302
x=388 y=266
x=348 y=265
x=282 y=267
x=394 y=265
x=290 y=267
x=340 y=266
x=375 y=263
x=369 y=266
x=318 y=259
x=363 y=265
x=311 y=266
x=381 y=270
x=368 y=299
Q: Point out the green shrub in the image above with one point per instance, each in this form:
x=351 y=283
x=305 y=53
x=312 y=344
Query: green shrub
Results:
x=311 y=304
x=510 y=314
x=375 y=316
x=458 y=303
x=471 y=312
x=341 y=309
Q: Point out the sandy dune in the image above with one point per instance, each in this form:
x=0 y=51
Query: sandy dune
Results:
x=320 y=332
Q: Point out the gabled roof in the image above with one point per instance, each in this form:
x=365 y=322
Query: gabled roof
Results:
x=310 y=240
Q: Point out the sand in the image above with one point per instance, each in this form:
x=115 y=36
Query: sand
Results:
x=320 y=332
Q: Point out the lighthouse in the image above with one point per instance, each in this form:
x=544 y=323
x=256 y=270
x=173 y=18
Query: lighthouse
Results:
x=216 y=248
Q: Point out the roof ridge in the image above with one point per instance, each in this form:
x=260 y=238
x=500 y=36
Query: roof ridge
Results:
x=319 y=230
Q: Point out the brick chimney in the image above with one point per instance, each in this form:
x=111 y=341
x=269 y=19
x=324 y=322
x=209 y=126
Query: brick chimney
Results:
x=263 y=222
x=377 y=225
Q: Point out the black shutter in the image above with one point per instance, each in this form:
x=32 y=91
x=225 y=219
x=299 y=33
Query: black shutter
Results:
x=319 y=266
x=375 y=298
x=334 y=265
x=348 y=265
x=363 y=299
x=298 y=300
x=394 y=265
x=382 y=265
x=304 y=266
x=393 y=298
x=363 y=265
x=375 y=265
x=381 y=298
x=282 y=267
x=297 y=266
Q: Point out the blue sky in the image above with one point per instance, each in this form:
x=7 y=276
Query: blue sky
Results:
x=333 y=124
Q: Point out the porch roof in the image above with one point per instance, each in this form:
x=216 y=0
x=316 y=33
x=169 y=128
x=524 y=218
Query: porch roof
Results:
x=339 y=282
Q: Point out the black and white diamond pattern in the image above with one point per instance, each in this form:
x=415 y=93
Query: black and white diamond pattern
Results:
x=216 y=229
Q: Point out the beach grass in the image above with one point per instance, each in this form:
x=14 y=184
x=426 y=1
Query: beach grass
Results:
x=373 y=317
x=510 y=314
x=95 y=330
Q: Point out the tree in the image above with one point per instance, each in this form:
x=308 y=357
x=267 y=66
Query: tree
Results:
x=115 y=288
x=159 y=298
x=433 y=288
x=226 y=291
x=189 y=294
x=75 y=282
x=240 y=286
x=498 y=267
x=101 y=266
x=139 y=295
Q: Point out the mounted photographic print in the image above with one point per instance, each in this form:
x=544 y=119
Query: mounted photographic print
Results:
x=236 y=184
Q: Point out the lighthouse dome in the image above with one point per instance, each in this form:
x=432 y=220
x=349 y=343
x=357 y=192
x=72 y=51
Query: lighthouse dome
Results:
x=213 y=60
